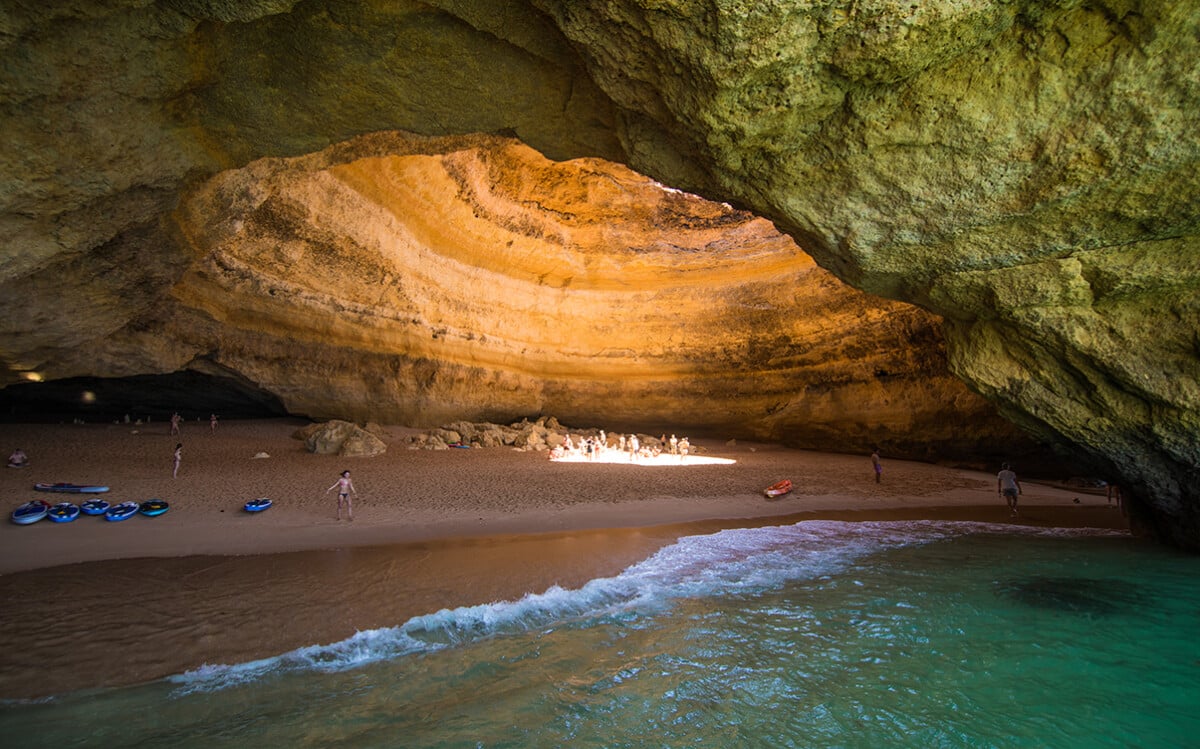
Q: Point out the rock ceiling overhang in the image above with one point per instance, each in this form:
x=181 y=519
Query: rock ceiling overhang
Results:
x=1026 y=170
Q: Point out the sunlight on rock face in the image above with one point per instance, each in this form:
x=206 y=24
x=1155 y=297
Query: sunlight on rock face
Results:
x=413 y=280
x=1026 y=170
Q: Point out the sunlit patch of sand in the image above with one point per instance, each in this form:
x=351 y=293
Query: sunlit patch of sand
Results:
x=657 y=460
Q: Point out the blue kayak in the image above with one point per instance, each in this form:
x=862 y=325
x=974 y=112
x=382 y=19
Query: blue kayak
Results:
x=63 y=512
x=94 y=507
x=257 y=505
x=30 y=512
x=122 y=511
x=153 y=507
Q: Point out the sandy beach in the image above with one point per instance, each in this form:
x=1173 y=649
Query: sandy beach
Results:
x=418 y=495
x=431 y=529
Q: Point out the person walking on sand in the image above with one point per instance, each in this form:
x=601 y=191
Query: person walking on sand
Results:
x=875 y=464
x=345 y=488
x=178 y=460
x=175 y=420
x=212 y=423
x=1114 y=492
x=1008 y=486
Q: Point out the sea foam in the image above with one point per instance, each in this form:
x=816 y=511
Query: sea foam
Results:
x=729 y=562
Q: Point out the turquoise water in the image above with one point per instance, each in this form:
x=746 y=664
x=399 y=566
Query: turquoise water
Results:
x=921 y=634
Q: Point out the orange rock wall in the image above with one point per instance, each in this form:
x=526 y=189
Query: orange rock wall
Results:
x=419 y=281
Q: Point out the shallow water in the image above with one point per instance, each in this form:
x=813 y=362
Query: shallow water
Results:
x=816 y=634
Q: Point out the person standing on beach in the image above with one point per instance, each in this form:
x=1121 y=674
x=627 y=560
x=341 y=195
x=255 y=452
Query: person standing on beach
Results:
x=1008 y=486
x=178 y=460
x=345 y=488
x=212 y=423
x=175 y=419
x=875 y=464
x=1114 y=492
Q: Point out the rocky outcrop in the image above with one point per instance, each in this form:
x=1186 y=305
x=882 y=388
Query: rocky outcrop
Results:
x=337 y=437
x=1025 y=170
x=541 y=435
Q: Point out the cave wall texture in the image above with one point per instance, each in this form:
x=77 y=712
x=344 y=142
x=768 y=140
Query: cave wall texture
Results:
x=186 y=184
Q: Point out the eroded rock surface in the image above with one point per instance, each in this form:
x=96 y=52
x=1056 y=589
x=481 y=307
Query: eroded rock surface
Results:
x=421 y=281
x=337 y=437
x=1026 y=170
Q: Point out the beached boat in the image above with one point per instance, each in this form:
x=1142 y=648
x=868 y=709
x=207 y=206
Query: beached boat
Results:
x=153 y=507
x=30 y=512
x=778 y=489
x=122 y=511
x=63 y=512
x=257 y=505
x=94 y=507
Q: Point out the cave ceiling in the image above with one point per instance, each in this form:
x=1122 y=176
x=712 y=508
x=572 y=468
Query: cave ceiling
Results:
x=247 y=188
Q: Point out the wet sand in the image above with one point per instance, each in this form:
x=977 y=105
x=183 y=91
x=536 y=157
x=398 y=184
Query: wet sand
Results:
x=208 y=583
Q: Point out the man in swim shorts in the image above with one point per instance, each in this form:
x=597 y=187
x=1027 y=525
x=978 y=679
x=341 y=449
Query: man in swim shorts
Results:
x=1008 y=486
x=345 y=488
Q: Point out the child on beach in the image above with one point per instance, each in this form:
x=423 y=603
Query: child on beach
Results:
x=345 y=487
x=178 y=460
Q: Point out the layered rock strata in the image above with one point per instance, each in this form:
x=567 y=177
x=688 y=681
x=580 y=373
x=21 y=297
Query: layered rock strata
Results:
x=420 y=281
x=1025 y=169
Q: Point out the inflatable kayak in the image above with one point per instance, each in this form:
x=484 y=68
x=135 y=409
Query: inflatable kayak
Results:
x=70 y=488
x=122 y=511
x=778 y=489
x=257 y=505
x=63 y=512
x=152 y=507
x=94 y=507
x=30 y=512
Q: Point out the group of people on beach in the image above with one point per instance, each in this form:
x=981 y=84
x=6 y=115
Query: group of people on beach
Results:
x=177 y=457
x=592 y=447
x=344 y=485
x=1008 y=486
x=177 y=421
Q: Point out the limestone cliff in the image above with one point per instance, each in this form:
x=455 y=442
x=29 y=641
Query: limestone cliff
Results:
x=1024 y=169
x=421 y=281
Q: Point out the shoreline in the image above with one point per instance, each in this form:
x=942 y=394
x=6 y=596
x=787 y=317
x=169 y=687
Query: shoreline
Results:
x=413 y=496
x=150 y=597
x=136 y=620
